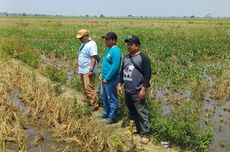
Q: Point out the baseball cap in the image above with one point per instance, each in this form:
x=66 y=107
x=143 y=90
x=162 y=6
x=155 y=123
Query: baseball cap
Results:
x=133 y=39
x=110 y=35
x=82 y=33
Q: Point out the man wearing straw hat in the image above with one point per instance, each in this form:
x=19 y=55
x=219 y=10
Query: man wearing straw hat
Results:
x=87 y=66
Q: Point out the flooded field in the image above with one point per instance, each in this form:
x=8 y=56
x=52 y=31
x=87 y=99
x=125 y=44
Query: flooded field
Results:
x=34 y=118
x=213 y=112
x=38 y=136
x=190 y=85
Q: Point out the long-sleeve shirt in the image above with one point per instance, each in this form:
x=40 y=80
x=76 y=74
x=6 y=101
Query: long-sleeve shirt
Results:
x=111 y=63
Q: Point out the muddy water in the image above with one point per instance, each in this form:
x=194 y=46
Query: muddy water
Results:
x=69 y=71
x=39 y=138
x=162 y=95
x=212 y=112
x=219 y=117
x=217 y=113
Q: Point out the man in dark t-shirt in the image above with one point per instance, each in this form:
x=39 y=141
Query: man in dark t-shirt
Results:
x=135 y=75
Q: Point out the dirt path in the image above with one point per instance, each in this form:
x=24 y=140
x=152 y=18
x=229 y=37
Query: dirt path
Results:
x=69 y=93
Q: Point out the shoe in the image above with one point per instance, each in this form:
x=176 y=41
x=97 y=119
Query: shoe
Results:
x=93 y=108
x=145 y=140
x=110 y=121
x=102 y=116
x=129 y=133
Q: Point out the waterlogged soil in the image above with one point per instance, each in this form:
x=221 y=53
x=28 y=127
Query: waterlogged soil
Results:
x=70 y=72
x=217 y=114
x=214 y=113
x=39 y=137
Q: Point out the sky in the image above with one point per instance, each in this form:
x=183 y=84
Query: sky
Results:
x=201 y=8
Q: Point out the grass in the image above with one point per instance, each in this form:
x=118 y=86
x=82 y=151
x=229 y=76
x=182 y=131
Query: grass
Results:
x=181 y=53
x=67 y=120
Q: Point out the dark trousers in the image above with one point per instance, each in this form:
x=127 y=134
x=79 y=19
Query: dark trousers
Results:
x=138 y=111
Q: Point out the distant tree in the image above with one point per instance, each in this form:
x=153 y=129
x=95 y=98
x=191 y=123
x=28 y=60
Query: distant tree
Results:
x=6 y=13
x=130 y=16
x=102 y=16
x=86 y=15
x=208 y=15
x=23 y=14
x=192 y=16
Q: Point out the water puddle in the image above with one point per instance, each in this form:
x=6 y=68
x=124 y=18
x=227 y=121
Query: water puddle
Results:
x=218 y=115
x=39 y=138
x=162 y=95
x=215 y=113
x=70 y=72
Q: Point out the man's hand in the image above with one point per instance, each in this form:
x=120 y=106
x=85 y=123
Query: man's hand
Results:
x=90 y=74
x=104 y=81
x=119 y=89
x=142 y=93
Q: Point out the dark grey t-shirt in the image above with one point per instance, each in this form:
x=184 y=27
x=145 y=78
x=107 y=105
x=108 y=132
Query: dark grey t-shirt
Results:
x=132 y=77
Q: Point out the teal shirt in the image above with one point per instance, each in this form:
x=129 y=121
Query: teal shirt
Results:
x=111 y=63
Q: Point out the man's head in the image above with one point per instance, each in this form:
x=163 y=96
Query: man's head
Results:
x=133 y=44
x=110 y=39
x=83 y=35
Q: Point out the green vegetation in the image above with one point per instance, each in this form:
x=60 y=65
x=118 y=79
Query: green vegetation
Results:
x=182 y=52
x=181 y=127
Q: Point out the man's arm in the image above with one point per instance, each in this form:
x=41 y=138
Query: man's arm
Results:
x=93 y=54
x=92 y=64
x=147 y=75
x=121 y=81
x=146 y=64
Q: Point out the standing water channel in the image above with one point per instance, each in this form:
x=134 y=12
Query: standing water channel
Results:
x=39 y=138
x=218 y=113
x=211 y=112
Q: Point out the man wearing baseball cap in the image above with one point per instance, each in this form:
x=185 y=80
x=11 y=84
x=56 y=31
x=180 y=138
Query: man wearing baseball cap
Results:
x=109 y=75
x=87 y=66
x=135 y=75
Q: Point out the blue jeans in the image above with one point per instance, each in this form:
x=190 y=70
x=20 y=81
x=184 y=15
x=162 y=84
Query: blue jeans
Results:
x=110 y=98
